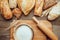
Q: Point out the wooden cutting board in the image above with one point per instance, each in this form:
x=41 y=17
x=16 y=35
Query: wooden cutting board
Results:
x=38 y=34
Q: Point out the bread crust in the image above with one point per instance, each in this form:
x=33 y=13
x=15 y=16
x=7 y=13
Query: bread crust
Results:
x=5 y=9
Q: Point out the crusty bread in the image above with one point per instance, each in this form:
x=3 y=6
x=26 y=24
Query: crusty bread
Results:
x=55 y=12
x=5 y=9
x=13 y=3
x=49 y=3
x=17 y=12
x=38 y=7
x=26 y=5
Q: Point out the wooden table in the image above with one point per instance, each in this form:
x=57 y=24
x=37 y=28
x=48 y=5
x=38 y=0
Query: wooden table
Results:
x=4 y=24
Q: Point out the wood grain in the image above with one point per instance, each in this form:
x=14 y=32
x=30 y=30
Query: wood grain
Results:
x=38 y=34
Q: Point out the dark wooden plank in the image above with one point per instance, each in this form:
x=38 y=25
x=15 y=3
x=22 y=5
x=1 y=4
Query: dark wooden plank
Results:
x=4 y=33
x=56 y=30
x=4 y=24
x=4 y=37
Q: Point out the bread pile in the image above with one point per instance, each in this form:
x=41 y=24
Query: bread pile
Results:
x=8 y=8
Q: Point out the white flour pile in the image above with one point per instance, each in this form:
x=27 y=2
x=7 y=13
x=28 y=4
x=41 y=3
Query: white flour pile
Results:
x=23 y=33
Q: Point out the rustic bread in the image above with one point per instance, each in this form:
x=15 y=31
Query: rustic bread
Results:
x=38 y=7
x=55 y=12
x=13 y=3
x=49 y=3
x=26 y=5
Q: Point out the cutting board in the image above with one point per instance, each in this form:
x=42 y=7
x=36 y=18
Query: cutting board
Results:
x=38 y=34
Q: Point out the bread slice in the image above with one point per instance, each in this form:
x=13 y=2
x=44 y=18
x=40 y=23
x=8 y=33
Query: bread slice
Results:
x=49 y=3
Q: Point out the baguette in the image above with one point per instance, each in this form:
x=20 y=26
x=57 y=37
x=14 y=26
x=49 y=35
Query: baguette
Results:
x=38 y=7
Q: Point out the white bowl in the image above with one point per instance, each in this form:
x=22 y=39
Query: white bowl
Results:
x=23 y=32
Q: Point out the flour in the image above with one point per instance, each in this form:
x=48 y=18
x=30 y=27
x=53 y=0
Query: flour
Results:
x=23 y=33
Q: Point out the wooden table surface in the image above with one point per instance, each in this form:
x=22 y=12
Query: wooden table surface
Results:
x=4 y=24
